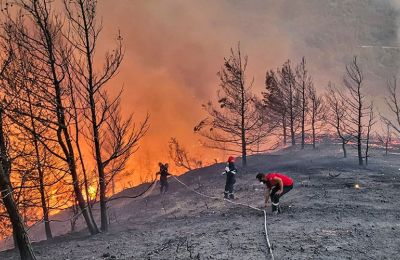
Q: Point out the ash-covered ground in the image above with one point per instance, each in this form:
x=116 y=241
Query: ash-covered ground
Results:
x=324 y=217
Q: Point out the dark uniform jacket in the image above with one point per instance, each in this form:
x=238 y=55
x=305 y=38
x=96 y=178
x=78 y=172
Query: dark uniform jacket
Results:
x=230 y=171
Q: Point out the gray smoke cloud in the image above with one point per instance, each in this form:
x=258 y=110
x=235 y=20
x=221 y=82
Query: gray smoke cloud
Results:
x=396 y=6
x=175 y=48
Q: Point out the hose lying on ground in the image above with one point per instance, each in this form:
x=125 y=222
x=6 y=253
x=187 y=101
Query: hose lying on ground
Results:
x=151 y=186
x=236 y=203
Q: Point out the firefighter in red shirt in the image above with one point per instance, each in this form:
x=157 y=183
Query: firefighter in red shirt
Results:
x=277 y=185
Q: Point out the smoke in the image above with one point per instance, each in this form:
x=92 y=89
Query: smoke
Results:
x=173 y=52
x=175 y=48
x=396 y=6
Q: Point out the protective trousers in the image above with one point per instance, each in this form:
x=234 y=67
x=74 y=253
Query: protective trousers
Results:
x=164 y=185
x=275 y=197
x=230 y=182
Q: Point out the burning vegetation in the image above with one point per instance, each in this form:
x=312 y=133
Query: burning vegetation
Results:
x=64 y=140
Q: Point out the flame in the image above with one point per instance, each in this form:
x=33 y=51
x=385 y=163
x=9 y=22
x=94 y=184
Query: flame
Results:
x=92 y=192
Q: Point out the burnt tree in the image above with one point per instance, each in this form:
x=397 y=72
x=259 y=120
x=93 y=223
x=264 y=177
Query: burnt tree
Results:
x=237 y=122
x=355 y=100
x=337 y=116
x=291 y=97
x=20 y=235
x=317 y=110
x=103 y=113
x=45 y=46
x=19 y=232
x=274 y=102
x=181 y=157
x=385 y=137
x=392 y=102
x=371 y=122
x=304 y=82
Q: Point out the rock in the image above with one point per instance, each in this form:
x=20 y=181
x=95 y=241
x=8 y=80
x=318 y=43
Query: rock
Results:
x=106 y=255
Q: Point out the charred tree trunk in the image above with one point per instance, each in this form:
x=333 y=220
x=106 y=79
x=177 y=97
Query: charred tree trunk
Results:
x=292 y=118
x=243 y=128
x=100 y=168
x=96 y=141
x=89 y=32
x=359 y=132
x=45 y=209
x=20 y=236
x=386 y=148
x=95 y=127
x=304 y=83
x=85 y=177
x=91 y=224
x=78 y=148
x=303 y=113
x=65 y=142
x=302 y=126
x=338 y=108
x=369 y=127
x=313 y=133
x=43 y=200
x=318 y=112
x=344 y=149
x=284 y=130
x=86 y=182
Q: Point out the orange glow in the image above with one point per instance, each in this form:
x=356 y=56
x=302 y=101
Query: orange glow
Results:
x=92 y=192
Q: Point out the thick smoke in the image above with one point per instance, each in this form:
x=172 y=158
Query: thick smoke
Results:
x=396 y=6
x=175 y=48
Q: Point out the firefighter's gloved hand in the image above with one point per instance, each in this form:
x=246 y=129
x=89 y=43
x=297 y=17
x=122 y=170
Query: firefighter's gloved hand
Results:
x=227 y=169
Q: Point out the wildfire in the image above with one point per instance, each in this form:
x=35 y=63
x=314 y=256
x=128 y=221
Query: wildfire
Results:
x=92 y=192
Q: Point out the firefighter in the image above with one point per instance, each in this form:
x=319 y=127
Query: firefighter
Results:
x=163 y=177
x=230 y=172
x=277 y=185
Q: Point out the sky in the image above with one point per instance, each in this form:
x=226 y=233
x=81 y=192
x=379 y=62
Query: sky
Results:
x=174 y=49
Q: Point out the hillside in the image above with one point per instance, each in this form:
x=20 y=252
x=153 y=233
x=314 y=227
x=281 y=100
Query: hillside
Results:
x=324 y=216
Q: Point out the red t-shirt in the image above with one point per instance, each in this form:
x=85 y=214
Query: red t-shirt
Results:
x=287 y=181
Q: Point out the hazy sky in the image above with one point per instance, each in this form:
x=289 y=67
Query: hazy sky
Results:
x=175 y=48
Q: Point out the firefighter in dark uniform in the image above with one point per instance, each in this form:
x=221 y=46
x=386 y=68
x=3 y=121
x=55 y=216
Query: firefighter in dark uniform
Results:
x=230 y=172
x=163 y=177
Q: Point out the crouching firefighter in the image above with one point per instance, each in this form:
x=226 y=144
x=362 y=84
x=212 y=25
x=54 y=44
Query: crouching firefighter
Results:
x=277 y=185
x=163 y=177
x=230 y=172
